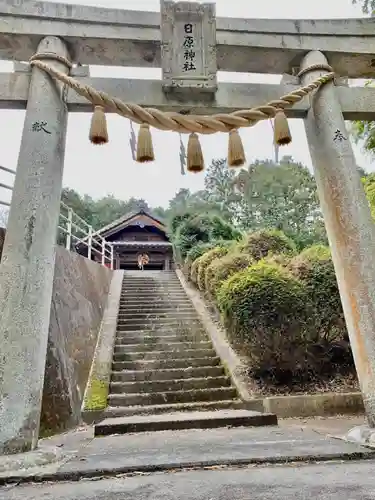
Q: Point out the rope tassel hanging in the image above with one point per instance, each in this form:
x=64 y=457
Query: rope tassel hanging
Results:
x=282 y=135
x=236 y=152
x=98 y=129
x=195 y=160
x=145 y=148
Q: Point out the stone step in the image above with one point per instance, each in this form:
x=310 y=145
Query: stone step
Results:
x=143 y=322
x=179 y=320
x=179 y=421
x=156 y=294
x=153 y=298
x=153 y=304
x=182 y=335
x=169 y=385
x=151 y=283
x=145 y=338
x=153 y=330
x=164 y=364
x=155 y=317
x=161 y=346
x=159 y=398
x=176 y=287
x=171 y=374
x=126 y=310
x=120 y=411
x=154 y=326
x=151 y=279
x=175 y=313
x=162 y=285
x=163 y=355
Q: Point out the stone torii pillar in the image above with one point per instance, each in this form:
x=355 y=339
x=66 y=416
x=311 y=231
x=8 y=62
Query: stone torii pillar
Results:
x=350 y=229
x=27 y=267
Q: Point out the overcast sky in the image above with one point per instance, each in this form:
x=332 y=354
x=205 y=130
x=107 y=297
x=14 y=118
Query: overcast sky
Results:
x=98 y=171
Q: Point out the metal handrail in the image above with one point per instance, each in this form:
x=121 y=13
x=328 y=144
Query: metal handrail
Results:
x=69 y=228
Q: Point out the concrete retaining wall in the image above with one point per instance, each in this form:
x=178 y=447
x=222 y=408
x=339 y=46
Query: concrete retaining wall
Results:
x=314 y=405
x=97 y=389
x=80 y=294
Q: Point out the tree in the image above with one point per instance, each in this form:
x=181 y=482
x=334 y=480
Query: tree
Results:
x=365 y=131
x=221 y=193
x=4 y=212
x=99 y=213
x=282 y=196
x=368 y=6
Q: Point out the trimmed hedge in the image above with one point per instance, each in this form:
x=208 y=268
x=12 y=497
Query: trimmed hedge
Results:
x=263 y=243
x=280 y=260
x=265 y=311
x=223 y=268
x=205 y=261
x=193 y=254
x=314 y=268
x=194 y=270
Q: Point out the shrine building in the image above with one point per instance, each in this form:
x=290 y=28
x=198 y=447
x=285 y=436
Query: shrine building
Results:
x=132 y=235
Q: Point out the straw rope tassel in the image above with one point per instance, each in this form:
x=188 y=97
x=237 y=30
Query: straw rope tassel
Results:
x=178 y=122
x=195 y=160
x=236 y=153
x=282 y=135
x=145 y=148
x=98 y=129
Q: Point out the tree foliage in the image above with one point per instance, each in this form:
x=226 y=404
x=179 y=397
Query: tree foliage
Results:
x=202 y=228
x=264 y=196
x=98 y=213
x=368 y=6
x=282 y=196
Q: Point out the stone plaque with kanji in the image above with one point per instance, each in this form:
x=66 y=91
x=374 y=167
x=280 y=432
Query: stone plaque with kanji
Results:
x=188 y=46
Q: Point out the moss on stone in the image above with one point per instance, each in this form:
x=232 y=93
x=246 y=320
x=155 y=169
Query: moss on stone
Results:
x=96 y=397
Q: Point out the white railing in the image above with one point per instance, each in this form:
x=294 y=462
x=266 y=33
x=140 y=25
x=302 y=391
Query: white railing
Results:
x=6 y=186
x=75 y=231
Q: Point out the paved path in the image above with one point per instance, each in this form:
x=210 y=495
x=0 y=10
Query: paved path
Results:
x=83 y=456
x=329 y=481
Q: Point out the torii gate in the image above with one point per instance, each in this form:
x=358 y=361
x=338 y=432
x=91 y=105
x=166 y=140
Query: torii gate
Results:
x=59 y=36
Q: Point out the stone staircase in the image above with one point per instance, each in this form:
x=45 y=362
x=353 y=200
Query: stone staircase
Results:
x=165 y=372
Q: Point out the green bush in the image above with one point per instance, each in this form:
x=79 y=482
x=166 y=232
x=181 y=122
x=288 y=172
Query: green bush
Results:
x=193 y=254
x=278 y=259
x=194 y=270
x=205 y=261
x=265 y=310
x=263 y=243
x=314 y=268
x=198 y=251
x=223 y=268
x=201 y=248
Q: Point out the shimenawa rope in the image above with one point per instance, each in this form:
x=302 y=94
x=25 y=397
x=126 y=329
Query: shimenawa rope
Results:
x=188 y=124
